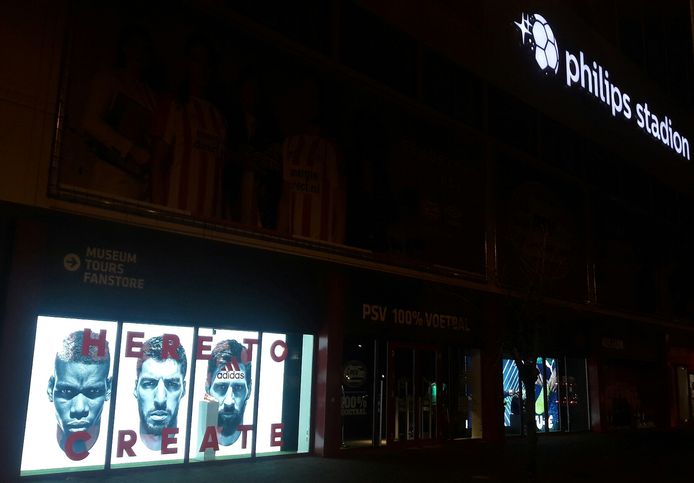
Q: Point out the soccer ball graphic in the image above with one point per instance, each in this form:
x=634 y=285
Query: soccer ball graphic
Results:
x=541 y=39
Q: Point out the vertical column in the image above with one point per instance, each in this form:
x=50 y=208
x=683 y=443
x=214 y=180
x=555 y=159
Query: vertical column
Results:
x=594 y=392
x=672 y=359
x=328 y=375
x=477 y=409
x=491 y=373
x=18 y=332
x=682 y=384
x=671 y=380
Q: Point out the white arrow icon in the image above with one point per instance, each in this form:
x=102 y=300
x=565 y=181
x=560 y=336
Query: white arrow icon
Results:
x=71 y=262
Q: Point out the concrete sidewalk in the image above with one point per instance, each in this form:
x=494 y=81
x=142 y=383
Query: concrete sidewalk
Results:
x=625 y=457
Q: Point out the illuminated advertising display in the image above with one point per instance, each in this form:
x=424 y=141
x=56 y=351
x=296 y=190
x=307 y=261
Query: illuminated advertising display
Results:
x=241 y=393
x=224 y=394
x=270 y=400
x=590 y=76
x=551 y=375
x=152 y=399
x=545 y=399
x=546 y=396
x=69 y=396
x=512 y=396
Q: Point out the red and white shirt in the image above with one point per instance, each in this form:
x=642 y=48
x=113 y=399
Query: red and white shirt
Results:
x=311 y=178
x=196 y=134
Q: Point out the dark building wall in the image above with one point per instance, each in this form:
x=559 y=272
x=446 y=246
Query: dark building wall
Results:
x=461 y=162
x=420 y=119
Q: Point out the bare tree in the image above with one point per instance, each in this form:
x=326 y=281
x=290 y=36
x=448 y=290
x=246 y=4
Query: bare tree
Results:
x=541 y=260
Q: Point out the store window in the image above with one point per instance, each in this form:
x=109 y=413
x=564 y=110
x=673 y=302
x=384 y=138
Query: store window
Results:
x=363 y=389
x=132 y=390
x=193 y=116
x=460 y=398
x=235 y=390
x=403 y=393
x=573 y=394
x=69 y=396
x=559 y=401
x=549 y=396
x=512 y=397
x=151 y=410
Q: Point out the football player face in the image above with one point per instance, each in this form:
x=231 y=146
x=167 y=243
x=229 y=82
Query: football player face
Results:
x=232 y=395
x=78 y=392
x=159 y=390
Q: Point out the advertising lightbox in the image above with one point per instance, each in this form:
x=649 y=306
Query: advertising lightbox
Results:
x=69 y=396
x=127 y=390
x=270 y=400
x=588 y=75
x=224 y=394
x=552 y=378
x=151 y=410
x=512 y=396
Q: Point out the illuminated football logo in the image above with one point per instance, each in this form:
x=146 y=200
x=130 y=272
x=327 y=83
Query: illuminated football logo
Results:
x=590 y=76
x=540 y=37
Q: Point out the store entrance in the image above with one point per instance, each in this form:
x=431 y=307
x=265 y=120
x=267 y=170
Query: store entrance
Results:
x=413 y=416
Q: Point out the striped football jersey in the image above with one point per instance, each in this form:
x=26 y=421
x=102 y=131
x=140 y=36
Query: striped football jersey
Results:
x=311 y=180
x=196 y=134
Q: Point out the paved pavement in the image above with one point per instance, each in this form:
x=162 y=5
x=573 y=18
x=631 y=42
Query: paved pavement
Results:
x=625 y=457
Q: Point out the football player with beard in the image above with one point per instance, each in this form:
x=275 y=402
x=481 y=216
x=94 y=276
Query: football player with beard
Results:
x=159 y=389
x=229 y=382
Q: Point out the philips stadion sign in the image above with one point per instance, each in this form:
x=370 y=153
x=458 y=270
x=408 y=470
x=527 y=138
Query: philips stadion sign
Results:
x=581 y=72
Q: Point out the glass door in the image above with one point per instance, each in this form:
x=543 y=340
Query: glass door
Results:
x=412 y=393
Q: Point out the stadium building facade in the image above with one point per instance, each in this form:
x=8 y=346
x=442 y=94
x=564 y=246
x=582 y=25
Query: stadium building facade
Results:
x=234 y=231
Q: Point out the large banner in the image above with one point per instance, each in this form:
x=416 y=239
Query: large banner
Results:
x=69 y=396
x=247 y=393
x=224 y=394
x=270 y=400
x=150 y=418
